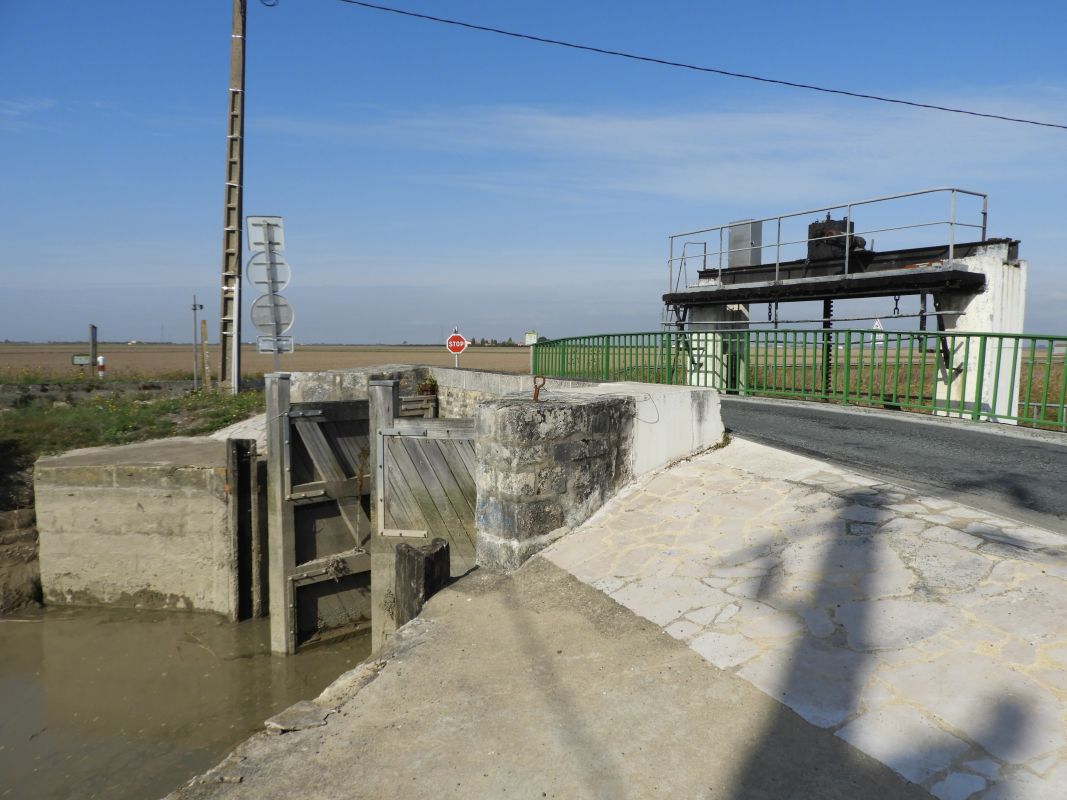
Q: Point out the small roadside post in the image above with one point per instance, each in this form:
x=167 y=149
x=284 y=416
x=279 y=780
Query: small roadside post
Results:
x=203 y=351
x=196 y=377
x=456 y=344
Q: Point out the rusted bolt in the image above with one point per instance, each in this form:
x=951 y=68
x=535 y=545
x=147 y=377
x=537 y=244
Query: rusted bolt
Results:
x=539 y=381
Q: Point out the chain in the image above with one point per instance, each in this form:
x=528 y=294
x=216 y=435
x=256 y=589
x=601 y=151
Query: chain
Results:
x=896 y=305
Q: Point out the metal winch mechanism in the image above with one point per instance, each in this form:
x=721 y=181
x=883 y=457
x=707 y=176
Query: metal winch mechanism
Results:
x=830 y=238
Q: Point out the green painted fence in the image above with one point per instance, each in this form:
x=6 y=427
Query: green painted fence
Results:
x=1005 y=377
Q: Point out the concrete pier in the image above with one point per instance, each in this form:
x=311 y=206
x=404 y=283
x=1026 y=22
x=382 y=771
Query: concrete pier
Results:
x=151 y=525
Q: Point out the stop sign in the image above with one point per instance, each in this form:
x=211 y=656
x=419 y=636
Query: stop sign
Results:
x=456 y=343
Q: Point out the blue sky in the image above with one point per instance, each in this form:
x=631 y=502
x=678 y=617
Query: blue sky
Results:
x=432 y=177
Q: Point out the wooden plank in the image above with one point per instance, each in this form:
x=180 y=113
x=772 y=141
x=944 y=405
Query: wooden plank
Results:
x=453 y=495
x=418 y=406
x=355 y=518
x=324 y=569
x=258 y=480
x=324 y=492
x=354 y=451
x=401 y=495
x=319 y=449
x=461 y=472
x=308 y=491
x=420 y=574
x=452 y=428
x=400 y=533
x=416 y=487
x=438 y=482
x=384 y=400
x=301 y=467
x=326 y=463
x=332 y=411
x=400 y=508
x=465 y=449
x=233 y=514
x=282 y=553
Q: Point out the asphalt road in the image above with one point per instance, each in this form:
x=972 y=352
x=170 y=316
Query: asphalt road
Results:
x=1009 y=472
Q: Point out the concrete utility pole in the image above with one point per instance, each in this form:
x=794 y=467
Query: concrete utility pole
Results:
x=230 y=305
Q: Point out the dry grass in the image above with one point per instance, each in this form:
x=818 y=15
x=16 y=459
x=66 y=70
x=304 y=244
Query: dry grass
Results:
x=34 y=362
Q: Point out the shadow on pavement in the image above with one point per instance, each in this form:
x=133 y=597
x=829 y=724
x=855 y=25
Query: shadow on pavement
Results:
x=824 y=678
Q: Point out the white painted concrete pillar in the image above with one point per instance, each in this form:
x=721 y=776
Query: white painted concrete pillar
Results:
x=715 y=353
x=1000 y=308
x=712 y=353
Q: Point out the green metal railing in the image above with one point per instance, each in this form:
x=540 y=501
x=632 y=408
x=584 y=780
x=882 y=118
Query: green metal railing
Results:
x=1007 y=377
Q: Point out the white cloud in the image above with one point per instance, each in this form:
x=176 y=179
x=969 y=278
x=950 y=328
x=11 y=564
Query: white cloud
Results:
x=21 y=108
x=788 y=154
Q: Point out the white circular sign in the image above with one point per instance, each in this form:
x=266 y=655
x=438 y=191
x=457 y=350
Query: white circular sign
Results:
x=263 y=314
x=259 y=272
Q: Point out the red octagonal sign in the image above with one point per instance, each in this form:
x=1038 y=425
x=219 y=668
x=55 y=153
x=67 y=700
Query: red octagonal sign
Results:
x=456 y=343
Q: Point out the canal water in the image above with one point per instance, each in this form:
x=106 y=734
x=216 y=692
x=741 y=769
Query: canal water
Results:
x=131 y=704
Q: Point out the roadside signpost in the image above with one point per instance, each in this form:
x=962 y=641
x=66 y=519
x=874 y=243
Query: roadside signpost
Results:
x=274 y=344
x=92 y=346
x=269 y=272
x=272 y=274
x=81 y=360
x=272 y=314
x=456 y=344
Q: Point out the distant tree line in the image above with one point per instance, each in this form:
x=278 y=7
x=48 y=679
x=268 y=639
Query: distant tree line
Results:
x=483 y=342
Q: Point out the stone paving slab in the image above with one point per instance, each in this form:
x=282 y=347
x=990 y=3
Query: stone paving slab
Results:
x=930 y=635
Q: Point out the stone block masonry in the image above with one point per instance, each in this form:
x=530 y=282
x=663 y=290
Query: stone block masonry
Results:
x=544 y=468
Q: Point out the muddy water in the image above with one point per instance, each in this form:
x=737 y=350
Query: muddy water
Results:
x=131 y=704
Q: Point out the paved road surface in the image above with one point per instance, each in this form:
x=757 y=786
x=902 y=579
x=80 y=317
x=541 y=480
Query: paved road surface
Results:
x=1013 y=473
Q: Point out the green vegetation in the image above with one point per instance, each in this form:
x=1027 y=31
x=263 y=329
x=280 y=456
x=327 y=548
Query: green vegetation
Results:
x=84 y=379
x=36 y=428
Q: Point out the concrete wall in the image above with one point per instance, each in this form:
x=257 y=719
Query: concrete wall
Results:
x=145 y=525
x=351 y=384
x=544 y=468
x=459 y=391
x=1001 y=308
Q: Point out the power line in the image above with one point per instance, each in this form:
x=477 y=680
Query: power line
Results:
x=694 y=67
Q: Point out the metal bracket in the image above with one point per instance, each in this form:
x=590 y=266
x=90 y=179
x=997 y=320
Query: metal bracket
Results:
x=398 y=533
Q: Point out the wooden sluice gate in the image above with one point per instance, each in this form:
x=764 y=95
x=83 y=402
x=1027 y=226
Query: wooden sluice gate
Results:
x=349 y=481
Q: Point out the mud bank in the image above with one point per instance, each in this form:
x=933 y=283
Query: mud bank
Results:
x=20 y=575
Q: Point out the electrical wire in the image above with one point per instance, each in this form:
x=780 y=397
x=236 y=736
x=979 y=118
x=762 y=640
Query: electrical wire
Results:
x=682 y=65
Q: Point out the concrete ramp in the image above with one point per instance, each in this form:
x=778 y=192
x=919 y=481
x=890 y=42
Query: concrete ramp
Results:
x=928 y=634
x=533 y=685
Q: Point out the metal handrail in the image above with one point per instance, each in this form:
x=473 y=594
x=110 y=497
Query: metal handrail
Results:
x=1012 y=377
x=951 y=223
x=912 y=226
x=853 y=203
